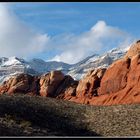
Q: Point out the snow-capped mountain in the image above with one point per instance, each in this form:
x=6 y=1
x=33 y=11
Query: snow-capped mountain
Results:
x=11 y=66
x=42 y=67
x=96 y=61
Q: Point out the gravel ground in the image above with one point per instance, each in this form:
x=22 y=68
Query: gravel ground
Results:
x=22 y=115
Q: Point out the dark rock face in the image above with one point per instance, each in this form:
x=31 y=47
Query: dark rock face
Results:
x=67 y=88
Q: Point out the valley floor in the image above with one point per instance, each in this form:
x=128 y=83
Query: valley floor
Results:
x=22 y=115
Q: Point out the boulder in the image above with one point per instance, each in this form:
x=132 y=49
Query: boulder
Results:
x=22 y=83
x=89 y=85
x=50 y=82
x=134 y=50
x=67 y=89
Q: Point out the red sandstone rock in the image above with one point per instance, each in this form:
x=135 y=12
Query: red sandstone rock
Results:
x=119 y=84
x=88 y=86
x=134 y=49
x=22 y=83
x=128 y=94
x=67 y=89
x=53 y=84
x=115 y=77
x=50 y=82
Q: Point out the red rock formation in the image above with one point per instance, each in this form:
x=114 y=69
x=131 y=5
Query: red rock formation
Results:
x=88 y=86
x=67 y=89
x=50 y=82
x=22 y=83
x=134 y=49
x=124 y=87
x=119 y=84
x=115 y=78
x=53 y=84
x=56 y=85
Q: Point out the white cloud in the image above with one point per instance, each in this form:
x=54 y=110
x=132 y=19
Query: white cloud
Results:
x=16 y=38
x=98 y=39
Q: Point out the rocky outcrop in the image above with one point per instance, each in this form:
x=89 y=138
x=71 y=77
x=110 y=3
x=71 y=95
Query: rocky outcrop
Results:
x=54 y=84
x=115 y=78
x=89 y=85
x=118 y=84
x=134 y=50
x=50 y=82
x=121 y=82
x=67 y=89
x=22 y=83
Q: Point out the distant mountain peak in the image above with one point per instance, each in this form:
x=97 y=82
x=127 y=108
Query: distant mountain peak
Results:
x=14 y=65
x=96 y=61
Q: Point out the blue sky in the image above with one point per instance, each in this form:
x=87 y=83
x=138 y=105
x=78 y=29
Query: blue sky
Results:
x=63 y=26
x=56 y=18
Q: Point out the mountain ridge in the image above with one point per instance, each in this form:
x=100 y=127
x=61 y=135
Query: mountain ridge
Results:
x=116 y=84
x=13 y=65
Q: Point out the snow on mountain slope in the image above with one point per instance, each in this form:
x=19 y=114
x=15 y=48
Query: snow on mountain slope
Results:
x=13 y=61
x=43 y=67
x=2 y=60
x=96 y=61
x=12 y=66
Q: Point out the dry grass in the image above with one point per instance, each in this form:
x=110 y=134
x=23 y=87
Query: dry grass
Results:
x=22 y=115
